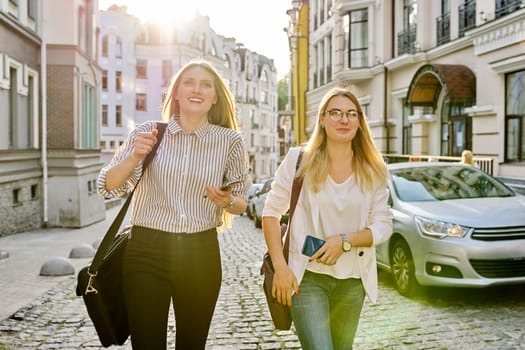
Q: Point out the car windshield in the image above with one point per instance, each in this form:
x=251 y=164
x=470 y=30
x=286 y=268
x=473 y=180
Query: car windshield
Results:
x=445 y=182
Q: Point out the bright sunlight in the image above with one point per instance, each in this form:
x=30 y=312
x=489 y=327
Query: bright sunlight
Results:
x=256 y=24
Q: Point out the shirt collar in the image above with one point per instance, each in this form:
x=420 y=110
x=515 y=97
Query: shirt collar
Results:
x=174 y=127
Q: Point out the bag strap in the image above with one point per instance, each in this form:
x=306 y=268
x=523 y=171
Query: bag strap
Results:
x=107 y=241
x=296 y=189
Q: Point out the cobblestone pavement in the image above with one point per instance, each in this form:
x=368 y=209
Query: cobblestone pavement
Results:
x=491 y=318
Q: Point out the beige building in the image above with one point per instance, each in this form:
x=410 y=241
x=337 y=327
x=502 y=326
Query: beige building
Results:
x=434 y=77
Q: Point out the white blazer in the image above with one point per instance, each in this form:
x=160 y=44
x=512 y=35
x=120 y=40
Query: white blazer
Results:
x=375 y=214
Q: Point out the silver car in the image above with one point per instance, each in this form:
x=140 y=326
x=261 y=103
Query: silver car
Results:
x=257 y=202
x=454 y=225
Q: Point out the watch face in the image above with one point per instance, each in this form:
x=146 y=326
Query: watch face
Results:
x=347 y=246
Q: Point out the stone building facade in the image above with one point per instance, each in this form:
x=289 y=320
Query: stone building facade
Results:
x=434 y=77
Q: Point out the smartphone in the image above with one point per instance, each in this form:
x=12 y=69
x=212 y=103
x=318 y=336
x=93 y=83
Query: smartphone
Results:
x=227 y=184
x=311 y=245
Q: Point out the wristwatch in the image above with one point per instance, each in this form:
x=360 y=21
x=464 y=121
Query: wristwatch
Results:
x=347 y=246
x=231 y=204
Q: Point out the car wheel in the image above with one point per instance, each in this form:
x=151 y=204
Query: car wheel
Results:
x=257 y=220
x=402 y=267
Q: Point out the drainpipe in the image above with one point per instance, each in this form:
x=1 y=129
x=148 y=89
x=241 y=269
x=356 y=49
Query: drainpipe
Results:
x=43 y=80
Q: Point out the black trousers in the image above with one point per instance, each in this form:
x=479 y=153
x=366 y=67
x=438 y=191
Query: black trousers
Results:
x=160 y=267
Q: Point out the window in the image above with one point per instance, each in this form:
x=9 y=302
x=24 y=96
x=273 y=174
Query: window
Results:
x=27 y=115
x=105 y=80
x=166 y=72
x=357 y=39
x=515 y=117
x=264 y=97
x=406 y=38
x=140 y=103
x=407 y=129
x=34 y=191
x=443 y=24
x=105 y=46
x=13 y=103
x=32 y=9
x=104 y=115
x=118 y=48
x=142 y=69
x=90 y=126
x=118 y=81
x=118 y=115
x=466 y=16
x=17 y=194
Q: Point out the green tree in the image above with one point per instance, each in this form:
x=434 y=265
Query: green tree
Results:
x=282 y=94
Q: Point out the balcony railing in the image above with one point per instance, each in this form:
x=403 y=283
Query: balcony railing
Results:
x=504 y=7
x=443 y=29
x=406 y=40
x=466 y=16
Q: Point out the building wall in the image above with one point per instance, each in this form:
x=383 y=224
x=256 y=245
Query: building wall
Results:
x=20 y=171
x=73 y=113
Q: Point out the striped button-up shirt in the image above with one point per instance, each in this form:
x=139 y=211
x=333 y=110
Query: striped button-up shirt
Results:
x=170 y=195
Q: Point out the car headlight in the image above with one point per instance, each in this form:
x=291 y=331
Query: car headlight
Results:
x=440 y=229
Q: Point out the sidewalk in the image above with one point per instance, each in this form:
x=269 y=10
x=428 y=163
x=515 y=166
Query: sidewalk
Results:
x=20 y=280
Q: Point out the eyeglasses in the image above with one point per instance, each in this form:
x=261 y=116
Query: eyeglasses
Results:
x=337 y=115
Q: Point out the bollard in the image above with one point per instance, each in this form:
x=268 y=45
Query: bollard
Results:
x=57 y=267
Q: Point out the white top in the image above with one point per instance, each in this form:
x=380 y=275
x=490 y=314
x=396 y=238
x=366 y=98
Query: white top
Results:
x=337 y=213
x=349 y=210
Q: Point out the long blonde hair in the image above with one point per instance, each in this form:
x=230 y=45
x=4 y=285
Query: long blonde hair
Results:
x=369 y=166
x=221 y=113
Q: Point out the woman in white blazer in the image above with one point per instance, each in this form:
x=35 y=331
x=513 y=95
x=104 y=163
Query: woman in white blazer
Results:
x=344 y=201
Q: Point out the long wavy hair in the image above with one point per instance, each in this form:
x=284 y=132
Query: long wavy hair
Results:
x=368 y=164
x=221 y=113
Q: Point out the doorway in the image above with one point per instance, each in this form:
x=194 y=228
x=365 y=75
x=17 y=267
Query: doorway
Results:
x=460 y=132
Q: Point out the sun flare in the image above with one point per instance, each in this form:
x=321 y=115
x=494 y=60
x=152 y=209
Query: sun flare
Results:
x=159 y=11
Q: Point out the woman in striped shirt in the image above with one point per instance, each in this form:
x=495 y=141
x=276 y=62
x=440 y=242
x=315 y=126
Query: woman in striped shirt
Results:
x=178 y=206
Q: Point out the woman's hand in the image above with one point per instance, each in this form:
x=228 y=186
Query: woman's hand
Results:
x=284 y=285
x=144 y=143
x=329 y=252
x=220 y=197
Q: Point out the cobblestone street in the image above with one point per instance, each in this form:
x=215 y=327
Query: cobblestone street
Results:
x=492 y=318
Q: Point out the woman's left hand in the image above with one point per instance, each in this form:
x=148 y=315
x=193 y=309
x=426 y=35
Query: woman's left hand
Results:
x=329 y=252
x=219 y=197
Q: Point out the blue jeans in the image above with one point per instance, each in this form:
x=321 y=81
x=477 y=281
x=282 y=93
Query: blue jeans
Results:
x=326 y=311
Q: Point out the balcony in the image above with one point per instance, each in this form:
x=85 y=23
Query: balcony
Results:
x=443 y=29
x=466 y=16
x=505 y=7
x=406 y=41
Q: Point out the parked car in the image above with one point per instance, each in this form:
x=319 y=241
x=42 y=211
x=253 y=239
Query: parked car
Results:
x=257 y=202
x=250 y=193
x=454 y=225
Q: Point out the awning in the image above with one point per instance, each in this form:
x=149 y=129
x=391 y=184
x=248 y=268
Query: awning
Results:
x=458 y=83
